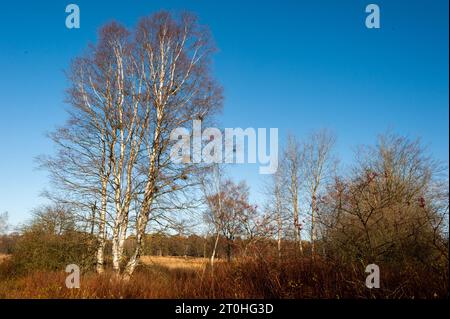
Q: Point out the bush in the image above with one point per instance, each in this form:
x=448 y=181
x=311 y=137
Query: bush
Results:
x=42 y=251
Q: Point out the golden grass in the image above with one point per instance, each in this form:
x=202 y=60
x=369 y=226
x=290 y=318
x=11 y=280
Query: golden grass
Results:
x=172 y=262
x=258 y=279
x=3 y=257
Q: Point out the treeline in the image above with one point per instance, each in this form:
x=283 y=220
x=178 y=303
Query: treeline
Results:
x=51 y=241
x=202 y=246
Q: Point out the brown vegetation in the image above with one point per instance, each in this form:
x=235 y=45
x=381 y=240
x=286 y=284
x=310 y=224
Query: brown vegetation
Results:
x=4 y=257
x=240 y=279
x=173 y=262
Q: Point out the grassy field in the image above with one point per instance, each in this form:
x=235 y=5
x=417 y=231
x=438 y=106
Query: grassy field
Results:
x=169 y=262
x=178 y=277
x=175 y=262
x=3 y=257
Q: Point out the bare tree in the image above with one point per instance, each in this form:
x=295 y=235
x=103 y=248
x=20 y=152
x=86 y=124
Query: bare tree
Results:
x=276 y=206
x=317 y=167
x=230 y=211
x=292 y=170
x=53 y=219
x=211 y=181
x=81 y=168
x=3 y=222
x=128 y=94
x=388 y=208
x=258 y=228
x=179 y=89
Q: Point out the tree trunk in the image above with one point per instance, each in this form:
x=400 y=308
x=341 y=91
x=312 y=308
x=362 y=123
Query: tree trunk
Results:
x=115 y=248
x=122 y=236
x=134 y=260
x=279 y=238
x=298 y=235
x=229 y=250
x=313 y=224
x=102 y=232
x=213 y=255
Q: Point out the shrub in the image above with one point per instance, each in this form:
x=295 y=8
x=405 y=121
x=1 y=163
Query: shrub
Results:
x=42 y=251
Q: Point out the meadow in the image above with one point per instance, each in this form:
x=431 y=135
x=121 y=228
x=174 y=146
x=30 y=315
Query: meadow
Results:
x=179 y=277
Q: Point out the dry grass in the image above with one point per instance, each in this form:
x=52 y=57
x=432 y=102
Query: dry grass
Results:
x=4 y=257
x=175 y=262
x=168 y=277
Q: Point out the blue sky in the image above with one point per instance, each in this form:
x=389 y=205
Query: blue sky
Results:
x=295 y=65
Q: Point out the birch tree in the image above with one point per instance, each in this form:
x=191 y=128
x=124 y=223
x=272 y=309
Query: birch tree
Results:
x=211 y=184
x=178 y=90
x=317 y=168
x=292 y=171
x=81 y=168
x=129 y=92
x=276 y=206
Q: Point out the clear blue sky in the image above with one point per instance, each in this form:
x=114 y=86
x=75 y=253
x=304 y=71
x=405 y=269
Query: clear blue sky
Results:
x=296 y=65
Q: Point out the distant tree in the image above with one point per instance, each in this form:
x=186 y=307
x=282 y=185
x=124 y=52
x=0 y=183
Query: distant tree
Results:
x=293 y=158
x=5 y=240
x=52 y=219
x=317 y=168
x=211 y=182
x=231 y=212
x=277 y=206
x=3 y=223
